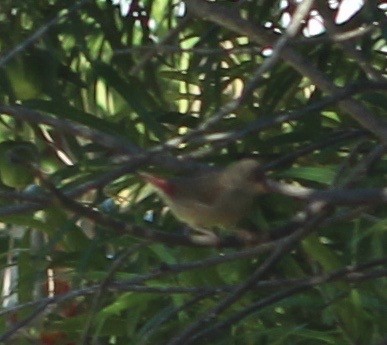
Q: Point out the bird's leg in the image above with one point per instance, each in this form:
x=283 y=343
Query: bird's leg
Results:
x=203 y=236
x=251 y=238
x=246 y=236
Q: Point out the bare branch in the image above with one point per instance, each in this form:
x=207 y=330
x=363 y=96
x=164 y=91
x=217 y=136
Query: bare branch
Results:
x=317 y=211
x=40 y=32
x=302 y=286
x=104 y=285
x=229 y=18
x=350 y=49
x=121 y=145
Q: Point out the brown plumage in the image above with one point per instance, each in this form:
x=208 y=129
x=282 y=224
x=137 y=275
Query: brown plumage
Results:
x=212 y=199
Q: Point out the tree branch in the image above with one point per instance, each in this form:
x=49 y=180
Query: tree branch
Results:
x=229 y=18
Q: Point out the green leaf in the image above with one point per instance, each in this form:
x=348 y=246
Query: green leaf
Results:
x=324 y=175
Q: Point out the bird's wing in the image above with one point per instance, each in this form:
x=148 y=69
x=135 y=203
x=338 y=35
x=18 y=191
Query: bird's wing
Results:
x=206 y=189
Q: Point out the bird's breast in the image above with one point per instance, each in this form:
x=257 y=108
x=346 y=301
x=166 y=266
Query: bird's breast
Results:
x=223 y=212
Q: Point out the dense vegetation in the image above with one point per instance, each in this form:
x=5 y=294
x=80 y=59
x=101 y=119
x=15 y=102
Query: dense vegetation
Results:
x=93 y=91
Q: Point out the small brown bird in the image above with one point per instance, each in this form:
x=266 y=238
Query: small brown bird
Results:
x=217 y=199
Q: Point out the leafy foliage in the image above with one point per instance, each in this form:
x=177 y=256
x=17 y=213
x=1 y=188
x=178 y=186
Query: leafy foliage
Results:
x=89 y=96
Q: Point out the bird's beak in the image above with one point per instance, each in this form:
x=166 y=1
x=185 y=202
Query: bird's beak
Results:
x=159 y=183
x=144 y=176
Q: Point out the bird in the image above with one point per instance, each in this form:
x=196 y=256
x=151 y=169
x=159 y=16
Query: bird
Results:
x=215 y=199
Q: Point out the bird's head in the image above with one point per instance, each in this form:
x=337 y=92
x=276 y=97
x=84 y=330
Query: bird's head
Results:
x=162 y=185
x=243 y=172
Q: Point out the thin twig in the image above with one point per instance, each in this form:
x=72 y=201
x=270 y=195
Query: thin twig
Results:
x=26 y=321
x=354 y=274
x=173 y=49
x=316 y=213
x=283 y=246
x=169 y=37
x=40 y=32
x=253 y=82
x=103 y=287
x=348 y=47
x=302 y=286
x=229 y=18
x=121 y=145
